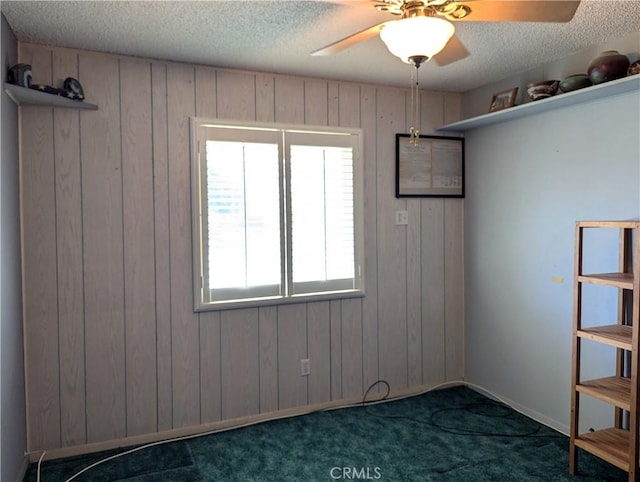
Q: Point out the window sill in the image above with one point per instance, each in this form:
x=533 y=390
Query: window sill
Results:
x=274 y=301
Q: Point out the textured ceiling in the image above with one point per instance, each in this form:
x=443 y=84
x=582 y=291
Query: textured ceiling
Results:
x=277 y=36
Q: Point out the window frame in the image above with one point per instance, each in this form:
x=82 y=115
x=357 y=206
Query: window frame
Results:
x=198 y=126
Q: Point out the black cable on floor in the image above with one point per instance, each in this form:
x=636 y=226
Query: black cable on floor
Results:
x=468 y=407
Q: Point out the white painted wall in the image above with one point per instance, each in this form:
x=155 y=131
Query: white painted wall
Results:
x=528 y=181
x=12 y=415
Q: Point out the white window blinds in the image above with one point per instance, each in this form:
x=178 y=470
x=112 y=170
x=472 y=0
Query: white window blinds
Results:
x=322 y=221
x=277 y=214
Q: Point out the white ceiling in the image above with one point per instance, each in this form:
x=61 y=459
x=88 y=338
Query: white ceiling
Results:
x=278 y=36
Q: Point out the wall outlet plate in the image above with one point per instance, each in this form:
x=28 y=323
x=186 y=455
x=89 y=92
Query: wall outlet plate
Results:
x=402 y=217
x=305 y=367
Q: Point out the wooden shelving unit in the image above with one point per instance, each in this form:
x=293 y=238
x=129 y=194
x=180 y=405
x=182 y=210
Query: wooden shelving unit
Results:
x=620 y=444
x=588 y=94
x=24 y=96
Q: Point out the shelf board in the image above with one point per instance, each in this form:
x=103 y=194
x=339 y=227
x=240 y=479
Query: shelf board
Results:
x=619 y=280
x=613 y=335
x=595 y=92
x=611 y=444
x=621 y=224
x=613 y=390
x=23 y=96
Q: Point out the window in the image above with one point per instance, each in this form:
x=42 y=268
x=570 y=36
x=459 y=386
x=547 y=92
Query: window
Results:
x=277 y=213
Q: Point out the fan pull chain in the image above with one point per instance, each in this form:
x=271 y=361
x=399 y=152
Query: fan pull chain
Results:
x=414 y=132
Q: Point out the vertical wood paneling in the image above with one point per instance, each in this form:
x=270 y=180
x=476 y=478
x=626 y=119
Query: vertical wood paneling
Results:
x=40 y=303
x=69 y=249
x=240 y=356
x=315 y=102
x=107 y=258
x=454 y=288
x=368 y=106
x=162 y=249
x=265 y=98
x=333 y=100
x=432 y=266
x=139 y=249
x=414 y=286
x=268 y=358
x=335 y=321
x=184 y=322
x=101 y=146
x=392 y=248
x=319 y=352
x=206 y=101
x=414 y=293
x=431 y=112
x=351 y=348
x=236 y=95
x=292 y=347
x=289 y=97
x=210 y=364
x=349 y=105
x=351 y=315
x=210 y=383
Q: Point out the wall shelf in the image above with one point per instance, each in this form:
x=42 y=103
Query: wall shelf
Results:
x=608 y=89
x=23 y=96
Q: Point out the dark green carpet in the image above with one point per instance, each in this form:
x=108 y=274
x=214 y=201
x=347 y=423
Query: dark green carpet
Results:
x=447 y=435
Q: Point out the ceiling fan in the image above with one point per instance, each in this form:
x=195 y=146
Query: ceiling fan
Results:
x=424 y=28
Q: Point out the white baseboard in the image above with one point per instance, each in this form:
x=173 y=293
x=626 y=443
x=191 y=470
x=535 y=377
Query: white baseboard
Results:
x=537 y=416
x=23 y=468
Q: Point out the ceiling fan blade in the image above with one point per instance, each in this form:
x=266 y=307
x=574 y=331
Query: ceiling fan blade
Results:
x=349 y=3
x=452 y=52
x=349 y=41
x=520 y=10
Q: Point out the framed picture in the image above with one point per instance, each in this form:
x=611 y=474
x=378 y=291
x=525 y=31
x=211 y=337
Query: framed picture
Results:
x=503 y=100
x=434 y=167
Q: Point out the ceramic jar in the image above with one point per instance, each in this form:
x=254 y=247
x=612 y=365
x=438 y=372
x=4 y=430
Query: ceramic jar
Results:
x=575 y=82
x=542 y=90
x=607 y=66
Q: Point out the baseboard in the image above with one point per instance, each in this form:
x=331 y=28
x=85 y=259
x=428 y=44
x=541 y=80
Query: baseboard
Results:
x=200 y=430
x=204 y=429
x=23 y=468
x=527 y=411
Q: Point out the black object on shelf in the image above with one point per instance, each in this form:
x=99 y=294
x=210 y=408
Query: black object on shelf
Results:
x=74 y=88
x=20 y=75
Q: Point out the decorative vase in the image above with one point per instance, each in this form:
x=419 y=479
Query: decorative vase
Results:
x=607 y=66
x=20 y=75
x=575 y=82
x=542 y=90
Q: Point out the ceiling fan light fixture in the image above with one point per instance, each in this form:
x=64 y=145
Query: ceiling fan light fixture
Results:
x=416 y=36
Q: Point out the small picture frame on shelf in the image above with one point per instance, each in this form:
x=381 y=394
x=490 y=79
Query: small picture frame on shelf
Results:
x=503 y=100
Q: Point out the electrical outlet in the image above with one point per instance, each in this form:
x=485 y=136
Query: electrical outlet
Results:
x=305 y=367
x=402 y=217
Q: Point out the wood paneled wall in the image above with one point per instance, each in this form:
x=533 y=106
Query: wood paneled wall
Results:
x=113 y=346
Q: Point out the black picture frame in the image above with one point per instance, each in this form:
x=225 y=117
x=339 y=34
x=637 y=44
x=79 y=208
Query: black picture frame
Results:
x=432 y=167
